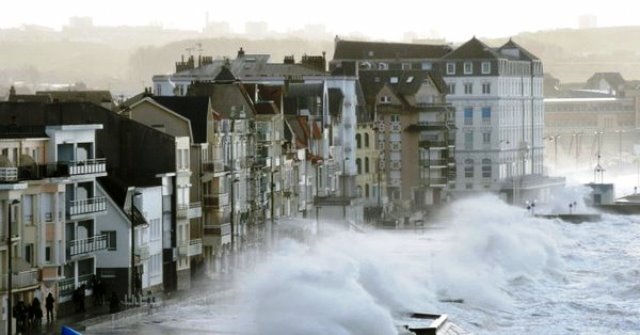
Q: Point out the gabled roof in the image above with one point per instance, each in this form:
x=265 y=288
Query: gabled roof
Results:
x=614 y=79
x=225 y=98
x=385 y=50
x=523 y=54
x=473 y=49
x=225 y=75
x=193 y=108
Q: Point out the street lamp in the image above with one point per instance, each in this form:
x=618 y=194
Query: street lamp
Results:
x=133 y=243
x=9 y=267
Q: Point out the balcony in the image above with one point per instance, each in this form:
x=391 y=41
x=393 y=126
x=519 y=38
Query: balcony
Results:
x=438 y=182
x=429 y=125
x=216 y=235
x=68 y=285
x=191 y=211
x=195 y=247
x=86 y=246
x=433 y=144
x=8 y=174
x=21 y=280
x=434 y=163
x=141 y=253
x=89 y=166
x=86 y=206
x=214 y=166
x=219 y=200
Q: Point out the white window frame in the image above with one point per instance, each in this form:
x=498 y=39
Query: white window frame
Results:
x=451 y=68
x=468 y=88
x=468 y=68
x=452 y=88
x=486 y=67
x=486 y=88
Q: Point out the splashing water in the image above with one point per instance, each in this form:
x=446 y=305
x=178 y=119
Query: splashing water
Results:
x=515 y=273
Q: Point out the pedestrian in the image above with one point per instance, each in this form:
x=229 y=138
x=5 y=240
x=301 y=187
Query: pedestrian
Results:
x=20 y=314
x=82 y=295
x=49 y=305
x=36 y=312
x=114 y=303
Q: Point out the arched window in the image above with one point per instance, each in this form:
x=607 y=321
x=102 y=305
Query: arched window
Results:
x=366 y=190
x=358 y=141
x=486 y=168
x=359 y=165
x=366 y=140
x=468 y=168
x=366 y=165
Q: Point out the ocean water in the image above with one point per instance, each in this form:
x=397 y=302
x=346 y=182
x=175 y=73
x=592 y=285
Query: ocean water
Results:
x=514 y=273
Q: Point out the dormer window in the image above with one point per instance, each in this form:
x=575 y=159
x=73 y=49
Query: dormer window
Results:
x=486 y=67
x=393 y=80
x=468 y=68
x=365 y=66
x=383 y=66
x=385 y=99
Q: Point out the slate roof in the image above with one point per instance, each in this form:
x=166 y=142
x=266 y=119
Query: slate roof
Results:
x=473 y=49
x=614 y=79
x=250 y=65
x=97 y=96
x=524 y=54
x=305 y=90
x=194 y=108
x=385 y=50
x=30 y=98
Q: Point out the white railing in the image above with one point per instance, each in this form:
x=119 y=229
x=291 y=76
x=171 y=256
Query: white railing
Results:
x=85 y=206
x=87 y=245
x=8 y=174
x=195 y=247
x=89 y=166
x=21 y=279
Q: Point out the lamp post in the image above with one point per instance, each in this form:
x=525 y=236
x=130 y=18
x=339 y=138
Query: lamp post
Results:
x=9 y=267
x=133 y=244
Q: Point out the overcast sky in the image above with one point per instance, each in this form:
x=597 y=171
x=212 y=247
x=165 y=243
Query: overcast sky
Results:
x=455 y=20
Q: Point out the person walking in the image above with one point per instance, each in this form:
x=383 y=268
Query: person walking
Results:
x=48 y=304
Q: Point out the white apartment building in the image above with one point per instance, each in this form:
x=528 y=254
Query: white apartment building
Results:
x=498 y=97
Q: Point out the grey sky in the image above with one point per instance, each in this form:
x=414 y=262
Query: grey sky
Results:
x=455 y=20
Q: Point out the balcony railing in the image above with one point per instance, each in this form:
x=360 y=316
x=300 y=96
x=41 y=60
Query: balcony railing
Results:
x=68 y=285
x=21 y=280
x=86 y=246
x=191 y=211
x=434 y=163
x=195 y=247
x=213 y=166
x=86 y=206
x=433 y=144
x=142 y=252
x=218 y=230
x=89 y=166
x=8 y=174
x=219 y=200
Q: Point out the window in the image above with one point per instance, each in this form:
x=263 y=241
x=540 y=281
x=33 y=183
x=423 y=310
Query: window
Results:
x=406 y=66
x=358 y=141
x=468 y=168
x=395 y=118
x=359 y=165
x=486 y=88
x=451 y=68
x=393 y=80
x=468 y=68
x=468 y=88
x=486 y=168
x=486 y=138
x=486 y=67
x=366 y=140
x=468 y=116
x=486 y=115
x=365 y=66
x=366 y=165
x=158 y=89
x=47 y=254
x=385 y=99
x=111 y=239
x=427 y=66
x=366 y=190
x=468 y=141
x=452 y=88
x=383 y=66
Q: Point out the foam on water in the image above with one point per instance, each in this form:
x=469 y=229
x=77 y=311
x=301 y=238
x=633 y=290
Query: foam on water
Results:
x=515 y=273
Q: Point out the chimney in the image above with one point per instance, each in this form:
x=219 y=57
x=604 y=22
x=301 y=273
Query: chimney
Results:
x=289 y=59
x=240 y=53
